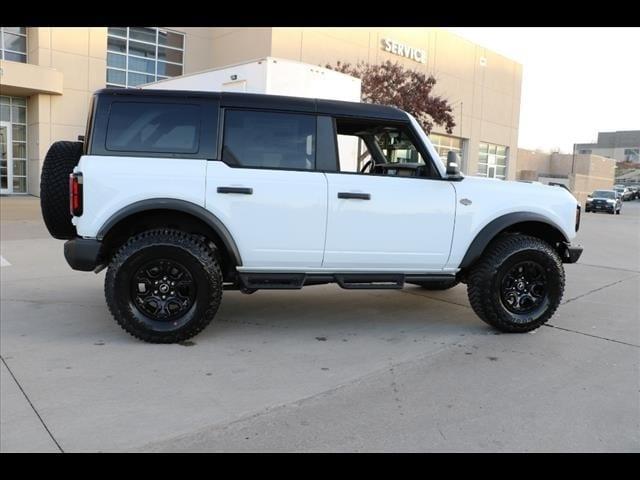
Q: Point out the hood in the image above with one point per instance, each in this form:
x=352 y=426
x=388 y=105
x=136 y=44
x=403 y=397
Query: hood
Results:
x=513 y=185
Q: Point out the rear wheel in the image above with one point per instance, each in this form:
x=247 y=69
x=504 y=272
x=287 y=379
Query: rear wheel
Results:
x=164 y=286
x=518 y=284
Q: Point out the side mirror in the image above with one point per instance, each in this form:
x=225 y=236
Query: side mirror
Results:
x=453 y=170
x=589 y=196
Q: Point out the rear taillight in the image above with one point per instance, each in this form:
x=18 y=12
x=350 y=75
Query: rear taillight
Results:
x=75 y=194
x=578 y=209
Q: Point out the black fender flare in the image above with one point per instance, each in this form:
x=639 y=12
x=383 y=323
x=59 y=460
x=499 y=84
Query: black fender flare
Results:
x=180 y=206
x=497 y=225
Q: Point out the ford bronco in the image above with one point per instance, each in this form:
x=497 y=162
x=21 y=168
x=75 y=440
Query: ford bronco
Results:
x=182 y=195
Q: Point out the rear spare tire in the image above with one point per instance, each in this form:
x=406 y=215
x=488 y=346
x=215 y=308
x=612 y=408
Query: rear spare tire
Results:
x=61 y=158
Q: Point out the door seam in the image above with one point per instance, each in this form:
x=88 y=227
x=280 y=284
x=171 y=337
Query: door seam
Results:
x=326 y=220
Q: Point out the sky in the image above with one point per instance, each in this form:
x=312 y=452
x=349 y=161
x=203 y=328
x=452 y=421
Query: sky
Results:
x=576 y=81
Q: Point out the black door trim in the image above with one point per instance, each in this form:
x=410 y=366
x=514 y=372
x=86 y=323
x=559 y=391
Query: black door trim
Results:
x=354 y=195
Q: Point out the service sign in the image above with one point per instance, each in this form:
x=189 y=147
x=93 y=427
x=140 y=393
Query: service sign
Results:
x=402 y=50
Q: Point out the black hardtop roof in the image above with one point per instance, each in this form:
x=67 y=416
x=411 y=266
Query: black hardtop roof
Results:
x=276 y=102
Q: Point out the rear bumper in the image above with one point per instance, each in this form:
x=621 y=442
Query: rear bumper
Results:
x=83 y=253
x=571 y=253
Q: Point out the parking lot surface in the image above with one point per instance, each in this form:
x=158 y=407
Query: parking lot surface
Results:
x=322 y=369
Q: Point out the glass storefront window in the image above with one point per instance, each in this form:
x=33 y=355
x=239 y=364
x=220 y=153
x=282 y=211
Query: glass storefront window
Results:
x=13 y=115
x=138 y=55
x=444 y=143
x=492 y=160
x=13 y=44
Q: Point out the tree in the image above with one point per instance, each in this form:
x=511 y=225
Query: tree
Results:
x=392 y=84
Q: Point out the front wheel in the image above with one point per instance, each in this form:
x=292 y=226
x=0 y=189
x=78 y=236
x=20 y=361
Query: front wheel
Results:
x=518 y=284
x=163 y=286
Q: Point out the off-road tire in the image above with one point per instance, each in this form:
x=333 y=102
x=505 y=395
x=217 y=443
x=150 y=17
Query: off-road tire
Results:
x=59 y=162
x=484 y=282
x=199 y=259
x=440 y=285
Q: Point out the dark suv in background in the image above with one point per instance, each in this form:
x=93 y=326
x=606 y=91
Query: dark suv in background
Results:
x=604 y=201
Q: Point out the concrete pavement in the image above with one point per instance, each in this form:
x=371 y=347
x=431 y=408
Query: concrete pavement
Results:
x=322 y=369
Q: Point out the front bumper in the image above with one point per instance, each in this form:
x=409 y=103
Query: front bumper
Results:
x=571 y=253
x=83 y=253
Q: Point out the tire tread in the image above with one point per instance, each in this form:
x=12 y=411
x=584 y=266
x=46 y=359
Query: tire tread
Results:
x=479 y=281
x=194 y=245
x=59 y=162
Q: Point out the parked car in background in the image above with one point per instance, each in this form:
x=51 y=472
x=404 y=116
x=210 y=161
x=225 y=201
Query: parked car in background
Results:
x=604 y=201
x=635 y=191
x=624 y=192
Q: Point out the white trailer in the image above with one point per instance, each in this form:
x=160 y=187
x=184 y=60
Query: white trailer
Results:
x=276 y=76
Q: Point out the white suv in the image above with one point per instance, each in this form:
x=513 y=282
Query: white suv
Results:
x=182 y=195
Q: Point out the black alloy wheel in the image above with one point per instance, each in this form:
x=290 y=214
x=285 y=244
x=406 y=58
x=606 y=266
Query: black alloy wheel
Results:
x=163 y=289
x=523 y=287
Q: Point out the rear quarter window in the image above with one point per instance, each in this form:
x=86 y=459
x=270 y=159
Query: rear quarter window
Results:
x=153 y=127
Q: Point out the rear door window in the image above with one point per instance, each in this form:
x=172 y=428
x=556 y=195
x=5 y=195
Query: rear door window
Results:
x=153 y=127
x=269 y=140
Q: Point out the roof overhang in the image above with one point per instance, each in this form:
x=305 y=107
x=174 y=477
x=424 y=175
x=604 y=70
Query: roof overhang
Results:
x=25 y=79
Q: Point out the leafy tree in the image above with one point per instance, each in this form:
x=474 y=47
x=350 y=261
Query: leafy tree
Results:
x=392 y=84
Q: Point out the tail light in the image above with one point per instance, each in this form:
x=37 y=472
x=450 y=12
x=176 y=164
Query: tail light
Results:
x=578 y=209
x=75 y=194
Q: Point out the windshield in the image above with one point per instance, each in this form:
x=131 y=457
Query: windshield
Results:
x=604 y=194
x=425 y=140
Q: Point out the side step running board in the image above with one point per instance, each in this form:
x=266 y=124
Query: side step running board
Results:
x=351 y=281
x=370 y=281
x=273 y=281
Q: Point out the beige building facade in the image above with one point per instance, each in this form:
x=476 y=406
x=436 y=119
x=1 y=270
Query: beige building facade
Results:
x=580 y=173
x=47 y=76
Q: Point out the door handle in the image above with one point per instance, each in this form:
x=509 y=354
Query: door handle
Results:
x=241 y=190
x=353 y=195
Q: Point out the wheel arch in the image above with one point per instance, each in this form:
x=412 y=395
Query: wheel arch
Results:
x=528 y=223
x=169 y=212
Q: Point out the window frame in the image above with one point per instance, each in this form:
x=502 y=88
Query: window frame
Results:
x=222 y=132
x=494 y=165
x=26 y=46
x=126 y=70
x=424 y=153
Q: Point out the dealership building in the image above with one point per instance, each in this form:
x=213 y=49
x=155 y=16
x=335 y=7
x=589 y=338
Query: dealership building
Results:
x=47 y=76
